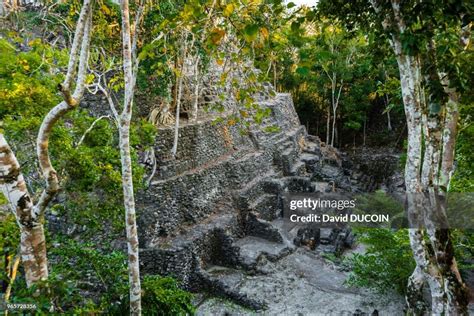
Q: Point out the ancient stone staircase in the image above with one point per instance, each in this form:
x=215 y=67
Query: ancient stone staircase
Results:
x=216 y=219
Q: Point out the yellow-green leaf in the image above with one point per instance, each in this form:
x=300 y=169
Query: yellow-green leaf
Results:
x=229 y=9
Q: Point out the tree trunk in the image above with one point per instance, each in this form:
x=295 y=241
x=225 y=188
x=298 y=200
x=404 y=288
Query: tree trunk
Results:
x=178 y=100
x=176 y=123
x=32 y=240
x=29 y=216
x=194 y=112
x=333 y=135
x=130 y=220
x=328 y=125
x=33 y=253
x=389 y=121
x=127 y=178
x=425 y=197
x=275 y=76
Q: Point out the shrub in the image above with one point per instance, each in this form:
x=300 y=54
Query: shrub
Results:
x=162 y=296
x=386 y=265
x=85 y=280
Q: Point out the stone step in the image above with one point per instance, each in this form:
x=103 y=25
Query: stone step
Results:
x=290 y=137
x=267 y=206
x=297 y=169
x=225 y=282
x=309 y=158
x=231 y=278
x=297 y=184
x=252 y=249
x=321 y=186
x=255 y=188
x=288 y=158
x=327 y=235
x=177 y=255
x=329 y=173
x=312 y=148
x=287 y=229
x=273 y=185
x=259 y=227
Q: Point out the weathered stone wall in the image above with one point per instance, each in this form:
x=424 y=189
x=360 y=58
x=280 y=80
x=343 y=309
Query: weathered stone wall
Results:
x=212 y=161
x=217 y=205
x=199 y=144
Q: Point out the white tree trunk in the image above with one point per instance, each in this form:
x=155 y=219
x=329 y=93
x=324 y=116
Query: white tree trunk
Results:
x=194 y=112
x=29 y=216
x=435 y=262
x=174 y=149
x=328 y=125
x=32 y=239
x=125 y=156
x=181 y=63
x=130 y=219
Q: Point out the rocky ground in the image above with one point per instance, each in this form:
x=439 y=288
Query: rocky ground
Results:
x=302 y=283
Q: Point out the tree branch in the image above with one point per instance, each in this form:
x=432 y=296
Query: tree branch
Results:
x=69 y=103
x=127 y=62
x=90 y=128
x=83 y=17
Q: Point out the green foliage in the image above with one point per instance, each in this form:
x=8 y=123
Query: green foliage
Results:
x=463 y=179
x=9 y=243
x=3 y=199
x=380 y=202
x=161 y=296
x=388 y=261
x=323 y=50
x=104 y=269
x=55 y=295
x=23 y=86
x=386 y=265
x=78 y=269
x=90 y=172
x=463 y=241
x=87 y=280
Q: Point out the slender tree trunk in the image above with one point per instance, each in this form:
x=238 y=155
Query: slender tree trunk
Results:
x=176 y=123
x=130 y=220
x=181 y=62
x=275 y=75
x=127 y=178
x=194 y=112
x=410 y=83
x=333 y=105
x=333 y=135
x=328 y=125
x=29 y=216
x=389 y=121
